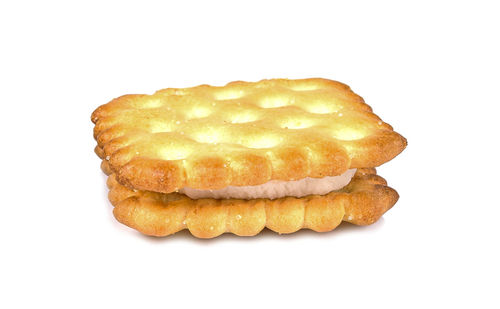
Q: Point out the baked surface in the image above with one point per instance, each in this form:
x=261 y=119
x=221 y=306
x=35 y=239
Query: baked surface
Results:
x=241 y=134
x=362 y=202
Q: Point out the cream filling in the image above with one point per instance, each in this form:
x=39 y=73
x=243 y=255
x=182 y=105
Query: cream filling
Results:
x=274 y=189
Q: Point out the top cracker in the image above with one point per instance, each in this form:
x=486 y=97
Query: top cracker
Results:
x=240 y=134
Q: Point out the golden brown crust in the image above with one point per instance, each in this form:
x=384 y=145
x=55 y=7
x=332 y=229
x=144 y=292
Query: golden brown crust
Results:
x=106 y=168
x=362 y=202
x=240 y=134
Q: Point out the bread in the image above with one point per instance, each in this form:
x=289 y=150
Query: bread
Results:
x=242 y=134
x=362 y=202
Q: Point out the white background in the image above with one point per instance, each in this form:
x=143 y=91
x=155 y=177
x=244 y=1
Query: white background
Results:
x=431 y=69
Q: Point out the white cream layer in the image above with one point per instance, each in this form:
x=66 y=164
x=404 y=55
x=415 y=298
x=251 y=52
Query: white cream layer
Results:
x=274 y=189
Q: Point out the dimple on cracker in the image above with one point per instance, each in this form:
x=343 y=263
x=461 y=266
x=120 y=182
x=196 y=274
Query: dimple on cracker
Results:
x=241 y=134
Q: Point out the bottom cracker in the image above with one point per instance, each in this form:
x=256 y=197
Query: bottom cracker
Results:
x=362 y=202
